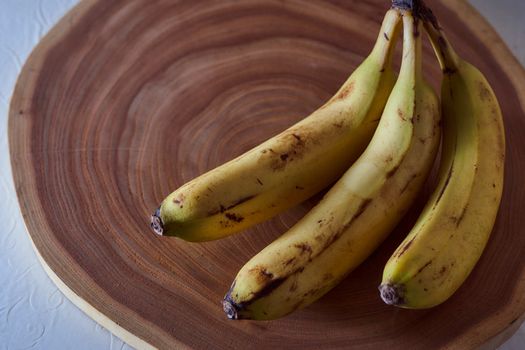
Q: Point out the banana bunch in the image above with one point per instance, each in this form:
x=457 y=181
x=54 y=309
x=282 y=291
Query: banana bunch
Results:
x=378 y=137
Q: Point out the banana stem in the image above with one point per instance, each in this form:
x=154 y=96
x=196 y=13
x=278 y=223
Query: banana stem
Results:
x=447 y=57
x=386 y=42
x=412 y=50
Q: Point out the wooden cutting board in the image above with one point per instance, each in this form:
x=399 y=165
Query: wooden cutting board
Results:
x=124 y=101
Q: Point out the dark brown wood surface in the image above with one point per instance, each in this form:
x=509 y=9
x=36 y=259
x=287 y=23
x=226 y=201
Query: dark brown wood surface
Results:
x=124 y=101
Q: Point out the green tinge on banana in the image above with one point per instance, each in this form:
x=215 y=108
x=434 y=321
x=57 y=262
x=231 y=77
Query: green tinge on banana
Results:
x=290 y=167
x=357 y=214
x=450 y=235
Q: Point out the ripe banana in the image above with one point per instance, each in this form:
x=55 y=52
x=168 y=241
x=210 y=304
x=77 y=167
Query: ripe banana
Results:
x=359 y=211
x=447 y=240
x=290 y=167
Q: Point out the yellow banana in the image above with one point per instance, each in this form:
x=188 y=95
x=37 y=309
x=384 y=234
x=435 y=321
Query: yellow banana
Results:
x=358 y=212
x=290 y=167
x=447 y=240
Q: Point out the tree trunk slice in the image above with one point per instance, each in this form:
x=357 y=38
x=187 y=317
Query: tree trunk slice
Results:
x=124 y=101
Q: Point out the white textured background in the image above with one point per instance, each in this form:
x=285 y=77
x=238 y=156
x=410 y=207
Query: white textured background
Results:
x=33 y=313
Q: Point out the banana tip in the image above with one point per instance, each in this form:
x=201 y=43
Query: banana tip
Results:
x=156 y=223
x=230 y=308
x=391 y=294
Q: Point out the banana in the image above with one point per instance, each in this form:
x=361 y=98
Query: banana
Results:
x=449 y=237
x=290 y=167
x=358 y=212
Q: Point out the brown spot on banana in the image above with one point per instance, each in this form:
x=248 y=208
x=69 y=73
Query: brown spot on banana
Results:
x=226 y=223
x=293 y=286
x=262 y=275
x=449 y=176
x=327 y=277
x=234 y=217
x=338 y=125
x=484 y=92
x=361 y=209
x=401 y=115
x=298 y=138
x=268 y=288
x=461 y=216
x=294 y=148
x=442 y=271
x=278 y=164
x=392 y=172
x=412 y=178
x=337 y=234
x=289 y=261
x=222 y=208
x=240 y=201
x=270 y=285
x=179 y=200
x=405 y=247
x=513 y=321
x=346 y=91
x=423 y=267
x=304 y=247
x=233 y=308
x=313 y=291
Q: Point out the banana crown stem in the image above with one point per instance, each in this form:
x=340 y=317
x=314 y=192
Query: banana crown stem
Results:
x=411 y=65
x=447 y=56
x=386 y=41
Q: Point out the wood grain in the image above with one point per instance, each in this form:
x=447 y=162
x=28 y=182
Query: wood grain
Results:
x=124 y=101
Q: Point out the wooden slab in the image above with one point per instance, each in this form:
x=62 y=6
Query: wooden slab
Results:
x=126 y=100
